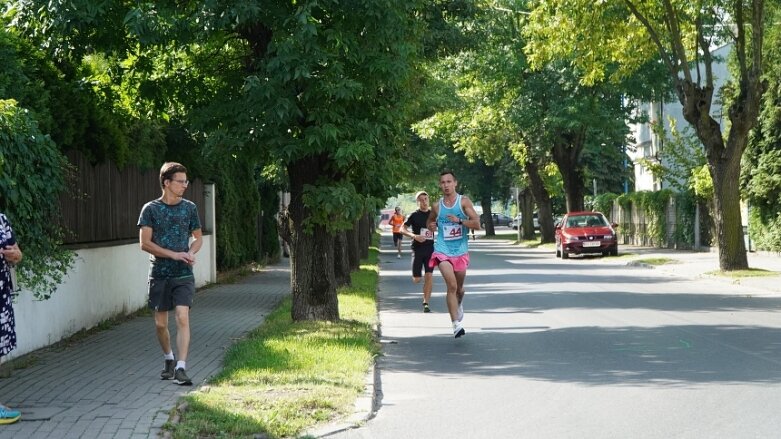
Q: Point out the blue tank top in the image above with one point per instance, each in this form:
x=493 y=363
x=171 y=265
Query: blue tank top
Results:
x=452 y=238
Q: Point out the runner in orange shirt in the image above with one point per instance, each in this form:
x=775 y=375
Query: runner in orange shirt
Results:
x=396 y=221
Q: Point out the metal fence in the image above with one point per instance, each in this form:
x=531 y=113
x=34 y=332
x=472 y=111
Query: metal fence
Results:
x=104 y=202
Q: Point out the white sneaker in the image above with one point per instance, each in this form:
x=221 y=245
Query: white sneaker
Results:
x=398 y=256
x=458 y=330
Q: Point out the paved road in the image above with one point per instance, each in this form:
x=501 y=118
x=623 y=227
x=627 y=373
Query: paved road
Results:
x=108 y=384
x=584 y=348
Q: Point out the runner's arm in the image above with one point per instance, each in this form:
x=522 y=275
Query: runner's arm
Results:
x=469 y=209
x=431 y=222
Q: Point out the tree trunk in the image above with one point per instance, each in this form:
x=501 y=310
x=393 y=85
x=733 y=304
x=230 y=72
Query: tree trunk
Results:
x=312 y=281
x=342 y=256
x=544 y=207
x=724 y=165
x=365 y=234
x=353 y=246
x=566 y=154
x=729 y=228
x=486 y=219
x=526 y=225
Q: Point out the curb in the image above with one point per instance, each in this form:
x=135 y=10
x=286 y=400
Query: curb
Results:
x=364 y=409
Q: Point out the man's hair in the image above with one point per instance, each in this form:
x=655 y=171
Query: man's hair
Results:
x=448 y=171
x=168 y=170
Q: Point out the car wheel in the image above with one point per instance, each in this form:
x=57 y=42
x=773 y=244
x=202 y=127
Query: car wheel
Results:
x=564 y=254
x=614 y=251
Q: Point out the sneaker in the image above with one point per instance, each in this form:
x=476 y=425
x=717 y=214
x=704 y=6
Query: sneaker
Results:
x=458 y=330
x=8 y=416
x=426 y=308
x=398 y=256
x=168 y=372
x=181 y=378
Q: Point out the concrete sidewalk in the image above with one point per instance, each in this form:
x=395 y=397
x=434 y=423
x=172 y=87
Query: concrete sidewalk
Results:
x=107 y=385
x=690 y=264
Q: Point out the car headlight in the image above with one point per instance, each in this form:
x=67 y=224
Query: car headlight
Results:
x=609 y=236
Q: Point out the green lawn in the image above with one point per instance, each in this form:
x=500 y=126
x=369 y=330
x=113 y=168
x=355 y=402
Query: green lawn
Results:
x=751 y=272
x=286 y=376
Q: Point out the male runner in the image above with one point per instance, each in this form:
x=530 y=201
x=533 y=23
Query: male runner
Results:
x=422 y=246
x=452 y=217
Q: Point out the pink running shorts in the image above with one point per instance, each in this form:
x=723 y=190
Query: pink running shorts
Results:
x=459 y=263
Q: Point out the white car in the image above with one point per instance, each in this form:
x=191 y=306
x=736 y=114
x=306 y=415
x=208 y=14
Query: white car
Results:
x=535 y=221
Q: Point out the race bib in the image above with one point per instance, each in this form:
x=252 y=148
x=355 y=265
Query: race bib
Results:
x=426 y=233
x=452 y=231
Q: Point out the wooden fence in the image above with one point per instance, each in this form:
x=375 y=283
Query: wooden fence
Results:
x=104 y=202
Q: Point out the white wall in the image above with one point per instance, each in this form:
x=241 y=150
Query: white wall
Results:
x=647 y=144
x=104 y=282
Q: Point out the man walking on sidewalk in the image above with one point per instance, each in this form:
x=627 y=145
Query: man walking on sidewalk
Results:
x=422 y=246
x=166 y=226
x=452 y=217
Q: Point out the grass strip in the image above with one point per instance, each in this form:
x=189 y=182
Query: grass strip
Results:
x=657 y=261
x=751 y=272
x=286 y=377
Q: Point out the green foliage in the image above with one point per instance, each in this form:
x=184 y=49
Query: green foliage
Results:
x=654 y=204
x=765 y=232
x=761 y=165
x=604 y=203
x=32 y=177
x=682 y=152
x=685 y=205
x=702 y=183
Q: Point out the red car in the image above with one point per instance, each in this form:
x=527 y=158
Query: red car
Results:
x=586 y=232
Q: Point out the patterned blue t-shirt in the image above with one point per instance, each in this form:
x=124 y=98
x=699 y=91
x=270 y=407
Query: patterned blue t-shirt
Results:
x=171 y=226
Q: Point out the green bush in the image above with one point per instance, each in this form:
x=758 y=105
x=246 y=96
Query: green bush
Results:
x=32 y=176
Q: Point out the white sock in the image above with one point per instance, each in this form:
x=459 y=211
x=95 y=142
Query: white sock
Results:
x=169 y=356
x=180 y=364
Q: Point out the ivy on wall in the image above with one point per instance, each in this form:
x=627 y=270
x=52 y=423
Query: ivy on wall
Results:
x=654 y=206
x=32 y=175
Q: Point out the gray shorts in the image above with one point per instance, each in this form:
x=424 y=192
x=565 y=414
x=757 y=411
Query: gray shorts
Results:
x=166 y=294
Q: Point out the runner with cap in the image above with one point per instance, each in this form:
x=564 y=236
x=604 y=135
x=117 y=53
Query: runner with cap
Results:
x=422 y=246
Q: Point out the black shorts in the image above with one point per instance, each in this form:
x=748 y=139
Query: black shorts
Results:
x=397 y=238
x=166 y=294
x=420 y=258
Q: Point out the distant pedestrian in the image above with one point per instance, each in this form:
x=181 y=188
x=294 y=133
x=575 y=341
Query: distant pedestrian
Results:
x=10 y=255
x=422 y=246
x=451 y=218
x=396 y=221
x=166 y=226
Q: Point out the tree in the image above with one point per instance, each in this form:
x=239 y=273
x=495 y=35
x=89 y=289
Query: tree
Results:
x=321 y=88
x=681 y=35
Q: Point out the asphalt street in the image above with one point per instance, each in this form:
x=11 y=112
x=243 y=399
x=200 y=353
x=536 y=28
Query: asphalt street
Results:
x=583 y=348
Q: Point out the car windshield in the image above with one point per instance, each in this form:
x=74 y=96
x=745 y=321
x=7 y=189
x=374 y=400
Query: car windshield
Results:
x=586 y=221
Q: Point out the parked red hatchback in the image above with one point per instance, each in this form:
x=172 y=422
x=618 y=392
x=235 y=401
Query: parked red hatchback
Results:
x=585 y=233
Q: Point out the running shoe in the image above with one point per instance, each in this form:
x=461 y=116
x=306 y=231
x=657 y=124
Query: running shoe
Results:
x=458 y=330
x=168 y=371
x=181 y=378
x=426 y=308
x=8 y=416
